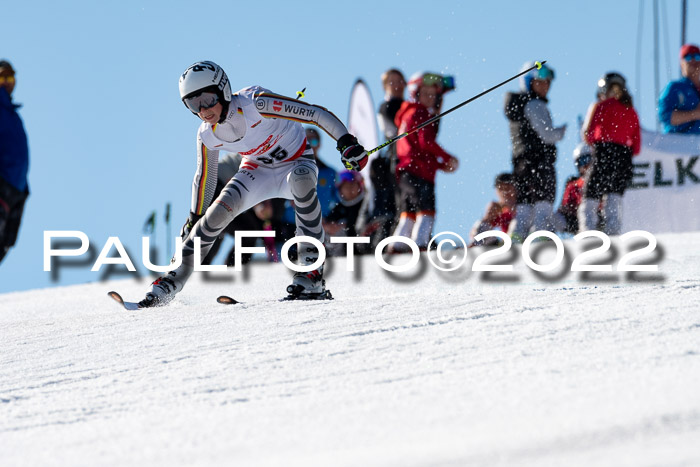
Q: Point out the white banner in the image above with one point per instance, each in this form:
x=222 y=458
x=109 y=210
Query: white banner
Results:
x=362 y=122
x=665 y=191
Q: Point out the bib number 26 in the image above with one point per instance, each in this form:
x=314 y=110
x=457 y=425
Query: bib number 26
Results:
x=278 y=154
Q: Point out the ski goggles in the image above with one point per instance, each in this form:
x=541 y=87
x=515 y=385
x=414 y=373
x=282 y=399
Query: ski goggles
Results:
x=203 y=100
x=430 y=79
x=583 y=160
x=347 y=176
x=692 y=58
x=446 y=83
x=7 y=79
x=544 y=74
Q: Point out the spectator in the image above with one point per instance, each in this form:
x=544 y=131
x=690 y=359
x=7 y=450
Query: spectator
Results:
x=679 y=110
x=612 y=128
x=14 y=162
x=534 y=152
x=383 y=168
x=342 y=220
x=499 y=214
x=419 y=159
x=566 y=218
x=394 y=85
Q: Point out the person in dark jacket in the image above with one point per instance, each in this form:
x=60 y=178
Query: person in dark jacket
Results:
x=534 y=152
x=14 y=162
x=383 y=168
x=342 y=220
x=419 y=159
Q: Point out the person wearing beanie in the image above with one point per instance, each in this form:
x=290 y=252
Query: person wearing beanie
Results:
x=679 y=109
x=14 y=161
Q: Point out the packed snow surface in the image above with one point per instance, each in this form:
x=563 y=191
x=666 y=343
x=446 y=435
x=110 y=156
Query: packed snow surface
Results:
x=451 y=369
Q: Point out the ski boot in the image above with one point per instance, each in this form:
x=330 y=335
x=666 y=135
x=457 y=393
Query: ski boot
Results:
x=308 y=285
x=162 y=291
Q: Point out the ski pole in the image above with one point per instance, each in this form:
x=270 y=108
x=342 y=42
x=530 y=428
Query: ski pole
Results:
x=537 y=65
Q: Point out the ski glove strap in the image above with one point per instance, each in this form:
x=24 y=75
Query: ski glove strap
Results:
x=352 y=154
x=189 y=224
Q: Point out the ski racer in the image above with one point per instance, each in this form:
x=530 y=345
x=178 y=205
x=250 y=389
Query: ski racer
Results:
x=277 y=162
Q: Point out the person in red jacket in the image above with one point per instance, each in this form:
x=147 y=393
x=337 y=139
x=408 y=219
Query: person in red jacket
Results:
x=419 y=158
x=499 y=214
x=565 y=219
x=612 y=128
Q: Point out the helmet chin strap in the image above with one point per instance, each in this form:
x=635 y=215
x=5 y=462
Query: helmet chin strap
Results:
x=224 y=110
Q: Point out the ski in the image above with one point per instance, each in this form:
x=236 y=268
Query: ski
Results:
x=326 y=295
x=131 y=306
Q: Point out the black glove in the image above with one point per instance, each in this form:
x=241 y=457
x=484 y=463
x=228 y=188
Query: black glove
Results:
x=352 y=153
x=189 y=224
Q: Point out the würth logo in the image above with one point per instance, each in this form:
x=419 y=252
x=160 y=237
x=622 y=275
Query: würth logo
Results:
x=277 y=105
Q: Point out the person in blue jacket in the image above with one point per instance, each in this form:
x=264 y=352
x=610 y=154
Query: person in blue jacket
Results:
x=14 y=161
x=679 y=111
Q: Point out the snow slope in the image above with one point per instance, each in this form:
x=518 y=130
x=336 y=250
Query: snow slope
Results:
x=448 y=369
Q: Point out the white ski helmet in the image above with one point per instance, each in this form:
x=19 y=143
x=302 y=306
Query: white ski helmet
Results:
x=203 y=76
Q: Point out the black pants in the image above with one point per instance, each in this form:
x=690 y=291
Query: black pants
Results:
x=535 y=180
x=611 y=171
x=11 y=210
x=417 y=194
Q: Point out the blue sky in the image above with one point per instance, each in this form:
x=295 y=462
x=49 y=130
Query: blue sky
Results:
x=110 y=140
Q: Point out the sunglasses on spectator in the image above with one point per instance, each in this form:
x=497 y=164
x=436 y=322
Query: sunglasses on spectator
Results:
x=692 y=58
x=203 y=100
x=7 y=79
